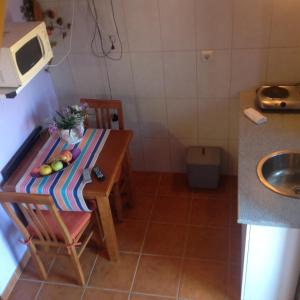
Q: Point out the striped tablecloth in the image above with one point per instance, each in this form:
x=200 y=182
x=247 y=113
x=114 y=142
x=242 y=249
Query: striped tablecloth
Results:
x=66 y=186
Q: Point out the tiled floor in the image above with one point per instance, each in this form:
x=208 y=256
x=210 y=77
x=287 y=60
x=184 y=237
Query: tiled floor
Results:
x=176 y=243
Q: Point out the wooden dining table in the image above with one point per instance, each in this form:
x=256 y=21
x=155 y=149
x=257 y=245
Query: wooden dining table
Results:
x=112 y=158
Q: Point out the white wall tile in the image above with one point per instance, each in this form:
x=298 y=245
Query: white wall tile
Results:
x=63 y=82
x=153 y=117
x=232 y=157
x=234 y=107
x=88 y=77
x=213 y=118
x=121 y=78
x=131 y=115
x=214 y=24
x=182 y=117
x=284 y=65
x=248 y=69
x=285 y=24
x=148 y=74
x=137 y=154
x=104 y=10
x=178 y=153
x=178 y=31
x=252 y=23
x=142 y=21
x=157 y=155
x=214 y=75
x=223 y=144
x=180 y=74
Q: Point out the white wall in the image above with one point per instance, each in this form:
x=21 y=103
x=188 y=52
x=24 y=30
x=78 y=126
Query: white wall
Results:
x=172 y=98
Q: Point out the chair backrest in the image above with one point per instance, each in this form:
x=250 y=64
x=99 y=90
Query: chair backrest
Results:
x=30 y=205
x=106 y=112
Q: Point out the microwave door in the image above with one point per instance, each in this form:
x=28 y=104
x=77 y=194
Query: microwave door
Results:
x=29 y=55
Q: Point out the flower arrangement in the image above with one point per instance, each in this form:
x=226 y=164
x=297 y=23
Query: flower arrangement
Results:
x=68 y=122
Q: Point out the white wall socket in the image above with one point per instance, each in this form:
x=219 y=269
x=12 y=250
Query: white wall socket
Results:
x=207 y=55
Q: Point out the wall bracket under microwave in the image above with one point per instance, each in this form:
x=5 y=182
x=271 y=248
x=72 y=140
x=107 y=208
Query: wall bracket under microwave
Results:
x=10 y=93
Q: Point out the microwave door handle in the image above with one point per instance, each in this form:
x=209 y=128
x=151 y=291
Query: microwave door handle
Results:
x=41 y=45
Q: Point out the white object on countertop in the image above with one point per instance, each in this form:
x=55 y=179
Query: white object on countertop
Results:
x=255 y=116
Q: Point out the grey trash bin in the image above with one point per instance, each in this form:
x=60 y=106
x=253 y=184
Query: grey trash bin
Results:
x=203 y=166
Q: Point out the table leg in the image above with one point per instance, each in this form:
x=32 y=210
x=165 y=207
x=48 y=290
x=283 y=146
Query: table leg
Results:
x=108 y=227
x=129 y=179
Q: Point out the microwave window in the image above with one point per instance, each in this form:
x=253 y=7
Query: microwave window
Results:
x=28 y=55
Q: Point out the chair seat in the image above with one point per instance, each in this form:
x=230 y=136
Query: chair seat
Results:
x=74 y=221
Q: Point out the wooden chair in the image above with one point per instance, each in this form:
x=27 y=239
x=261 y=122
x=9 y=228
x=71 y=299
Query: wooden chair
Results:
x=48 y=229
x=106 y=113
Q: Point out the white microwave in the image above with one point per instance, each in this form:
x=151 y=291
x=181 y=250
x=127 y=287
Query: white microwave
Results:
x=25 y=51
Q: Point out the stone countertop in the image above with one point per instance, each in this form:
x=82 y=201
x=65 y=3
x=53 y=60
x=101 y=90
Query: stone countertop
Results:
x=258 y=205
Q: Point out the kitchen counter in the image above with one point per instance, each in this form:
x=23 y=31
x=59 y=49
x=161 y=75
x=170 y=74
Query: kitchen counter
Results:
x=258 y=205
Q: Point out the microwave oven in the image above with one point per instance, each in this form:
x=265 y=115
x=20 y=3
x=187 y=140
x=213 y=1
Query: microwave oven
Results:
x=25 y=51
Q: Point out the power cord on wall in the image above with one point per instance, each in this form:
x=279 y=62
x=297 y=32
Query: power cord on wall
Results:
x=98 y=32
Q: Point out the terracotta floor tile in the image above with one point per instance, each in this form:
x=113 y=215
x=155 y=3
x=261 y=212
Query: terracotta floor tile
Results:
x=235 y=246
x=141 y=210
x=64 y=271
x=24 y=290
x=171 y=209
x=146 y=183
x=210 y=212
x=130 y=235
x=223 y=189
x=202 y=280
x=95 y=294
x=144 y=297
x=114 y=275
x=207 y=243
x=174 y=184
x=165 y=239
x=157 y=275
x=234 y=282
x=30 y=271
x=59 y=292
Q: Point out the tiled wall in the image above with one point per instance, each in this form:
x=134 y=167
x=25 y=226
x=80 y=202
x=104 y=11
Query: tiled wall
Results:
x=172 y=97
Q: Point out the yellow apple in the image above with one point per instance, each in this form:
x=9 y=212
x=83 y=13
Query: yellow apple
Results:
x=45 y=170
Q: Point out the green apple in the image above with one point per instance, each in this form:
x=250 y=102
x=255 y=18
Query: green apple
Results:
x=57 y=165
x=45 y=170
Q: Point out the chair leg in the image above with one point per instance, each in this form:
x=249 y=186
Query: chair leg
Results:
x=118 y=202
x=37 y=261
x=75 y=260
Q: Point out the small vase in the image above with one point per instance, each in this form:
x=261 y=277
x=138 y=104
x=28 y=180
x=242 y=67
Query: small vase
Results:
x=74 y=135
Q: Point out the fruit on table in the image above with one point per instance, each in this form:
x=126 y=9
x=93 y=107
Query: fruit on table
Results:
x=65 y=156
x=35 y=171
x=57 y=165
x=45 y=170
x=75 y=153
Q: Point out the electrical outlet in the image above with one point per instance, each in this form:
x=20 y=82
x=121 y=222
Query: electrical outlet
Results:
x=112 y=39
x=207 y=55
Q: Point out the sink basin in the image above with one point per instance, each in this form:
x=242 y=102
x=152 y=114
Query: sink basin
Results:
x=280 y=172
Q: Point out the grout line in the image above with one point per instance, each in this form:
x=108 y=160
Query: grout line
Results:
x=89 y=276
x=154 y=295
x=183 y=254
x=145 y=235
x=107 y=289
x=39 y=291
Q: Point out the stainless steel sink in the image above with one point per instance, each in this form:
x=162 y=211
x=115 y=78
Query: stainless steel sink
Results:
x=280 y=172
